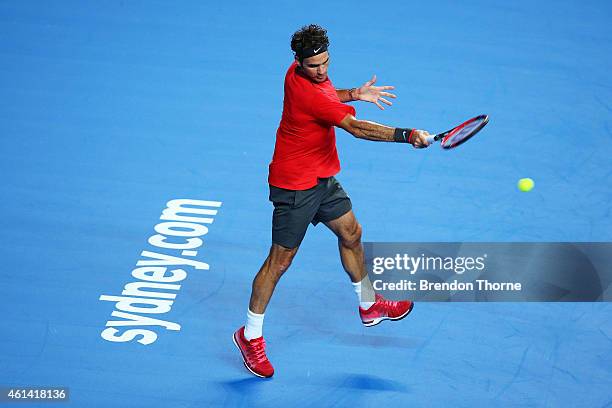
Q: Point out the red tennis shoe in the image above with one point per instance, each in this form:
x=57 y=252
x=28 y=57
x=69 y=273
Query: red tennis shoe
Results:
x=384 y=309
x=253 y=354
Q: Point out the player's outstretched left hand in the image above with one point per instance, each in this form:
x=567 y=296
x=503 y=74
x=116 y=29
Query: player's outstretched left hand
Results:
x=370 y=93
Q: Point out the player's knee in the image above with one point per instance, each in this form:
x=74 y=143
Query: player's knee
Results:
x=278 y=267
x=352 y=237
x=284 y=265
x=281 y=260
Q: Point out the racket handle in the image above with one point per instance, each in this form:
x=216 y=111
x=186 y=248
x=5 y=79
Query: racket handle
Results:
x=431 y=138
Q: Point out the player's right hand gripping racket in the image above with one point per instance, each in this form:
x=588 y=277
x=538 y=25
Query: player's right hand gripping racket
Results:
x=460 y=134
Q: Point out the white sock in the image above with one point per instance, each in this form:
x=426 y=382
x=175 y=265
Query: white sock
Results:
x=364 y=303
x=254 y=325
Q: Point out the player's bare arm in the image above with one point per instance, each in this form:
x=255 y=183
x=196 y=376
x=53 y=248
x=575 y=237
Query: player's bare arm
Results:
x=368 y=93
x=365 y=129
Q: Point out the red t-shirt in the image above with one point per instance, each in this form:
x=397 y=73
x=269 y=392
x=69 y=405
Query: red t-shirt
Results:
x=305 y=147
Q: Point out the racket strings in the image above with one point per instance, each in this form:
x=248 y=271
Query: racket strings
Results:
x=464 y=131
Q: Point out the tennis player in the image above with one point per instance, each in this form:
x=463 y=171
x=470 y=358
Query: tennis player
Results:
x=303 y=188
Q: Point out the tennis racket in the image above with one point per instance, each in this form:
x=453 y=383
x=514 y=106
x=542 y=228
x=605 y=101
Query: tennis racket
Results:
x=460 y=134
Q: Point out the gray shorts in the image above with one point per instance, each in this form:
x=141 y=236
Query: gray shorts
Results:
x=295 y=209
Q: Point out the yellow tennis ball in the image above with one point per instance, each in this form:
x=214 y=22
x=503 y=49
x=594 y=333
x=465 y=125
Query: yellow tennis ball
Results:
x=525 y=184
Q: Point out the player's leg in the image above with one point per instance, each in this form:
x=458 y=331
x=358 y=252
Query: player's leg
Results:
x=290 y=219
x=337 y=215
x=249 y=338
x=293 y=211
x=265 y=281
x=348 y=231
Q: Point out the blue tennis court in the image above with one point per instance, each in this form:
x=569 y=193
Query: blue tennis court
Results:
x=112 y=110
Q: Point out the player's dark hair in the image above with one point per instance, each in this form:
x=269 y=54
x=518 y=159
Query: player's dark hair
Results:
x=308 y=37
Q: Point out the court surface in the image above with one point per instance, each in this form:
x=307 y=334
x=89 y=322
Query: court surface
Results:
x=111 y=110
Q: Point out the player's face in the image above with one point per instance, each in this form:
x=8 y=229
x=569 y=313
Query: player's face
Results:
x=316 y=67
